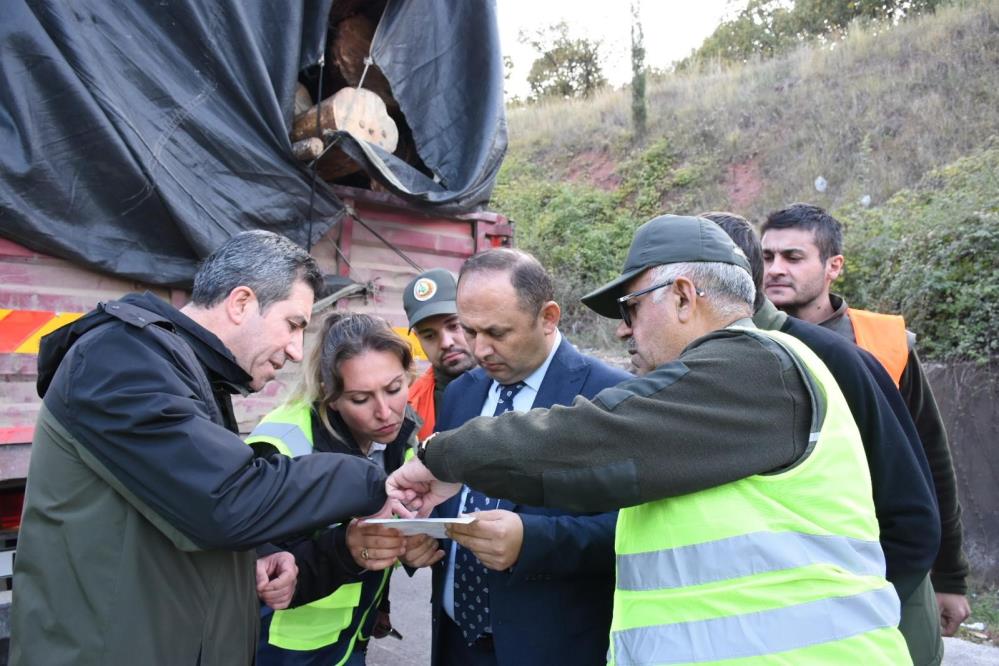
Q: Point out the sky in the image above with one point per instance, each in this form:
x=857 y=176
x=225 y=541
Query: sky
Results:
x=672 y=29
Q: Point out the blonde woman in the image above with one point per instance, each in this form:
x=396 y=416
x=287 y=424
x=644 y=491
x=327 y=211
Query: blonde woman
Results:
x=352 y=401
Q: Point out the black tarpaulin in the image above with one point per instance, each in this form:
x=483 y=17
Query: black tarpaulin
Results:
x=137 y=136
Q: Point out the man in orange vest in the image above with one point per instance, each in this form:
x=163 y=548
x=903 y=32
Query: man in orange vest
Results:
x=429 y=300
x=803 y=255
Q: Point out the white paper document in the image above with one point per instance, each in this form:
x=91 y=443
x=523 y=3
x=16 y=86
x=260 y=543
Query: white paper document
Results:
x=430 y=526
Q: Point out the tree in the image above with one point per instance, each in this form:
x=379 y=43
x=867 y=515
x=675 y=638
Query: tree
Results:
x=637 y=70
x=769 y=27
x=763 y=27
x=566 y=67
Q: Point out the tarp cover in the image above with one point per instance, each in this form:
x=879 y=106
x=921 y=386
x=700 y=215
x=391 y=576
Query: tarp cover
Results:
x=135 y=137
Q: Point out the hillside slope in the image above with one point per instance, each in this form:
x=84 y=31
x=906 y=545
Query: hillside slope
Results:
x=871 y=114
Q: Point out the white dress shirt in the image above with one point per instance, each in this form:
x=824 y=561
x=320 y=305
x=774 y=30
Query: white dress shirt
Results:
x=522 y=402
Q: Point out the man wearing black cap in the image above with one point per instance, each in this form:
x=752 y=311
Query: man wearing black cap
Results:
x=429 y=300
x=746 y=526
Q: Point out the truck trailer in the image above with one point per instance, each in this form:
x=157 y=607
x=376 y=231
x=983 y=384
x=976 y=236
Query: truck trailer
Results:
x=137 y=137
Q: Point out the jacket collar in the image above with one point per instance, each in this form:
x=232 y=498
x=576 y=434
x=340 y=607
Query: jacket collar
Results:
x=768 y=317
x=215 y=356
x=839 y=310
x=442 y=379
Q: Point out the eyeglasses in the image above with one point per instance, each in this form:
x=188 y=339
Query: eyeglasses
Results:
x=623 y=304
x=625 y=308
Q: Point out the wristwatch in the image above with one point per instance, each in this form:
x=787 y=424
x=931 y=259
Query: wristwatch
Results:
x=421 y=448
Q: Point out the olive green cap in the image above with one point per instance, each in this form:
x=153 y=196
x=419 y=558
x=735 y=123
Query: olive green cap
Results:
x=667 y=239
x=430 y=293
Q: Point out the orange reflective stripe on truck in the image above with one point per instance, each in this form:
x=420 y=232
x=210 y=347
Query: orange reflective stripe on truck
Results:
x=22 y=330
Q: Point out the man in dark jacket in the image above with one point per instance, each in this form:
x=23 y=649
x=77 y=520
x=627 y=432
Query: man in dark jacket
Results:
x=143 y=504
x=900 y=476
x=803 y=256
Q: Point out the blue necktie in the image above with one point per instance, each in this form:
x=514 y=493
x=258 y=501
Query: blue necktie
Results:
x=471 y=588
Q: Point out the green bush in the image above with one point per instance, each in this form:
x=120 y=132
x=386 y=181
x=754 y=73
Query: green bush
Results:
x=872 y=112
x=931 y=253
x=578 y=232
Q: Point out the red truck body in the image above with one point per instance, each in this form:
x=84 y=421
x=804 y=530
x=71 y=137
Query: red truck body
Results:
x=370 y=246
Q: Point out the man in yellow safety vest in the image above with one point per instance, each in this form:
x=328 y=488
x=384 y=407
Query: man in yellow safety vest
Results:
x=747 y=529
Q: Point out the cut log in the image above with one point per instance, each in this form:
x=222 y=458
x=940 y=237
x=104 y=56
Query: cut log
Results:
x=359 y=112
x=307 y=150
x=303 y=100
x=350 y=45
x=363 y=114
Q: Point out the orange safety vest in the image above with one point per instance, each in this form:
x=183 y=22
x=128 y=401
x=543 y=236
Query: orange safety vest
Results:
x=884 y=336
x=421 y=399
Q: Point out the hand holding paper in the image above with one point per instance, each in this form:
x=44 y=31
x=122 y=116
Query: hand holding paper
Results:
x=414 y=487
x=495 y=537
x=373 y=544
x=421 y=551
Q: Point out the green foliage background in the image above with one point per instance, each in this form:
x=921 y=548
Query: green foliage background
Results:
x=770 y=27
x=566 y=66
x=903 y=115
x=932 y=253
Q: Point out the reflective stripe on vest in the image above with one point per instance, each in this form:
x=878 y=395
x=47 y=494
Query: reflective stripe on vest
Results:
x=777 y=630
x=295 y=441
x=288 y=428
x=319 y=623
x=883 y=336
x=759 y=552
x=773 y=568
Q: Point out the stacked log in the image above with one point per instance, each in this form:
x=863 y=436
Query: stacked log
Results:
x=348 y=49
x=358 y=111
x=362 y=104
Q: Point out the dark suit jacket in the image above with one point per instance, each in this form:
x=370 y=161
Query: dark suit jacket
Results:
x=554 y=605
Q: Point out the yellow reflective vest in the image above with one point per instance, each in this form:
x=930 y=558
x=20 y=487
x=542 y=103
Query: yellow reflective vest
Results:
x=779 y=568
x=320 y=623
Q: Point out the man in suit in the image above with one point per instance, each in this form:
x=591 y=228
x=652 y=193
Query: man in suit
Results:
x=521 y=585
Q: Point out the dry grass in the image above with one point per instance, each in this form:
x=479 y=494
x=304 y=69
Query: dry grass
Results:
x=870 y=113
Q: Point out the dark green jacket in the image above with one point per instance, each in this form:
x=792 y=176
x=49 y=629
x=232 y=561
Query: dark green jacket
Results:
x=732 y=405
x=143 y=504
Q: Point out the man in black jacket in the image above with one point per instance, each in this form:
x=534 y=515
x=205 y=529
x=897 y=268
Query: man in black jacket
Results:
x=143 y=504
x=901 y=480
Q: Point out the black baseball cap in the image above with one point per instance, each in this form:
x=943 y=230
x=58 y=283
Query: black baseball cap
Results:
x=667 y=239
x=430 y=293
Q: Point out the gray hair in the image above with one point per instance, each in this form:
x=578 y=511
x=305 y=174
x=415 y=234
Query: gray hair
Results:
x=266 y=262
x=729 y=287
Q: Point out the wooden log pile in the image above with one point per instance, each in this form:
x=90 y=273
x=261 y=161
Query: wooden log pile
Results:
x=354 y=100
